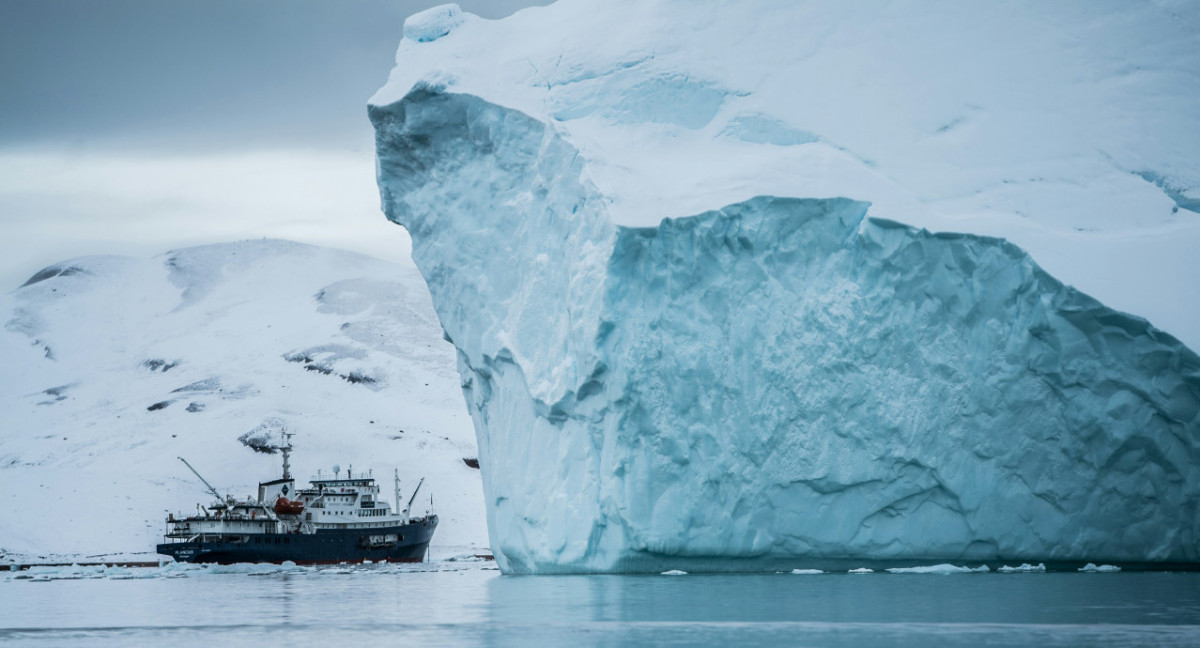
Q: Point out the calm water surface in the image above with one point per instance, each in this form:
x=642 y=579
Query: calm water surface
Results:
x=452 y=605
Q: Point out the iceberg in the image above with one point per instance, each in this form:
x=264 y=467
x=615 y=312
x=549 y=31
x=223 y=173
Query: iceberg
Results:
x=697 y=336
x=1023 y=568
x=942 y=569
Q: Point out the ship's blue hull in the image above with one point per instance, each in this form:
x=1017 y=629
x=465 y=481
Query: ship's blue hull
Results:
x=403 y=543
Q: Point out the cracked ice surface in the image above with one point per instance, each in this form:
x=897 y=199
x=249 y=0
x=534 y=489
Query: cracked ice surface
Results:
x=783 y=377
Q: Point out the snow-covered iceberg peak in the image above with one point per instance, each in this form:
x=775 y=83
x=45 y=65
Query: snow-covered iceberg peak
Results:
x=433 y=23
x=781 y=380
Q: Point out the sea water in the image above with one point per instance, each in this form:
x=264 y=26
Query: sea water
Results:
x=457 y=604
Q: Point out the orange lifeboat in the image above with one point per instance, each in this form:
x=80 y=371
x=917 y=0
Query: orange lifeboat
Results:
x=285 y=506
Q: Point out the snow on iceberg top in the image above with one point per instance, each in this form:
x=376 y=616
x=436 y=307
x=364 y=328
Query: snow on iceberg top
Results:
x=433 y=23
x=1064 y=127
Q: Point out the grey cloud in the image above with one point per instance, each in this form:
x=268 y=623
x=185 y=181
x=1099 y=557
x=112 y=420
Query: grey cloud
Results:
x=216 y=74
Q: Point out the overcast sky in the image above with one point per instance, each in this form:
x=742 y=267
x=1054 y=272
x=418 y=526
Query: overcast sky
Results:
x=137 y=126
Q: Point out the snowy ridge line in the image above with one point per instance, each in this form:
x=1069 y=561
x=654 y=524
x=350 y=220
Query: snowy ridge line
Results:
x=779 y=356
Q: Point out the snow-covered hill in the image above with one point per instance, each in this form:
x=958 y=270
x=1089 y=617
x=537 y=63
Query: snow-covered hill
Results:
x=112 y=367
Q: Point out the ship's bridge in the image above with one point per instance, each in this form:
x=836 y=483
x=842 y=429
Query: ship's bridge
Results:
x=347 y=500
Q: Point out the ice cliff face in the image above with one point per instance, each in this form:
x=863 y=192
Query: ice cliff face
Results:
x=783 y=380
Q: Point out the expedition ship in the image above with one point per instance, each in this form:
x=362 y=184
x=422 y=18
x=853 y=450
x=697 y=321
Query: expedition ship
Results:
x=333 y=520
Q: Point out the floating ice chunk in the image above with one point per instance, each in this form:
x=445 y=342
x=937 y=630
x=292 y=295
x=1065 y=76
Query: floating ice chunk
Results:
x=178 y=569
x=944 y=568
x=432 y=24
x=1099 y=569
x=120 y=573
x=862 y=570
x=62 y=572
x=1022 y=568
x=807 y=571
x=674 y=572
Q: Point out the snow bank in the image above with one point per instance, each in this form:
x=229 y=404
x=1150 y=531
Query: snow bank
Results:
x=679 y=350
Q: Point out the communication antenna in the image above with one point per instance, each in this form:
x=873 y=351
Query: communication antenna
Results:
x=336 y=470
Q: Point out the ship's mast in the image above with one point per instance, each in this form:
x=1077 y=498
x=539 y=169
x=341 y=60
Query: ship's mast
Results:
x=286 y=449
x=396 y=487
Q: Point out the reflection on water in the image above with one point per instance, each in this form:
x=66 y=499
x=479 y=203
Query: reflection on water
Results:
x=447 y=604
